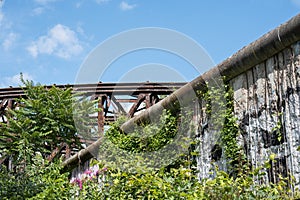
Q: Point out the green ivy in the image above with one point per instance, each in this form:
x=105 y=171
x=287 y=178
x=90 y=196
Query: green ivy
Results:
x=146 y=138
x=229 y=134
x=221 y=100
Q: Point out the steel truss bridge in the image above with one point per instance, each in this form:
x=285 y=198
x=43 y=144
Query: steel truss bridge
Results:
x=115 y=99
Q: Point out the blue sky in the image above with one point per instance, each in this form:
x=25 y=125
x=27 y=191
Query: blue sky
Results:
x=48 y=40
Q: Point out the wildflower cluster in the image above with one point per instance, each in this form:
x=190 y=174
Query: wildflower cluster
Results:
x=93 y=174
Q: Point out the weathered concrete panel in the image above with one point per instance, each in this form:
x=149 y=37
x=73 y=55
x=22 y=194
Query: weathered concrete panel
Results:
x=267 y=106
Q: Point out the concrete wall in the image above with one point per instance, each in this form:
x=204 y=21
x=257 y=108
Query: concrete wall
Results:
x=267 y=105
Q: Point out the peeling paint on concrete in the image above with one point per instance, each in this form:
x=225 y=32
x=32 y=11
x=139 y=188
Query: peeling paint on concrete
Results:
x=267 y=106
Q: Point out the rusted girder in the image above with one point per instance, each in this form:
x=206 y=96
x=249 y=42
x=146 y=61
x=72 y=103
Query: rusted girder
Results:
x=109 y=92
x=103 y=88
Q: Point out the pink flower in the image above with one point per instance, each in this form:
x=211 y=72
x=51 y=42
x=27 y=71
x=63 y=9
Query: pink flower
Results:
x=73 y=180
x=76 y=181
x=88 y=172
x=104 y=169
x=96 y=173
x=80 y=184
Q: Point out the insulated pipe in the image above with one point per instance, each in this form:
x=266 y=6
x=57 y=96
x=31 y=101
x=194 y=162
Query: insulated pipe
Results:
x=246 y=58
x=251 y=55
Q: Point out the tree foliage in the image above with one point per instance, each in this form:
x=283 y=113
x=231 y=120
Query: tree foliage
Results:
x=42 y=122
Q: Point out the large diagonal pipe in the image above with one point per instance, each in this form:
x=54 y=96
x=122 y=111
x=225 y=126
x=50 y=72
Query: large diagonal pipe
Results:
x=249 y=56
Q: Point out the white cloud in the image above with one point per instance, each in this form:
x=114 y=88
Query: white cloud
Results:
x=78 y=4
x=296 y=2
x=60 y=41
x=125 y=6
x=9 y=41
x=38 y=10
x=5 y=24
x=15 y=80
x=2 y=3
x=1 y=17
x=8 y=37
x=79 y=28
x=101 y=1
x=44 y=2
x=1 y=12
x=42 y=6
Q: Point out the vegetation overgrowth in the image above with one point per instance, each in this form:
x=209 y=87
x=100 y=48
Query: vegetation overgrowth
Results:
x=44 y=123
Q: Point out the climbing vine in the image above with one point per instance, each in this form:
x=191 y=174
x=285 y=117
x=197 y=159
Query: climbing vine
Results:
x=219 y=109
x=229 y=135
x=147 y=137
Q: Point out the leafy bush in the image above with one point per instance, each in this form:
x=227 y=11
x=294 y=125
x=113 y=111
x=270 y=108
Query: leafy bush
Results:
x=39 y=180
x=179 y=183
x=147 y=138
x=42 y=123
